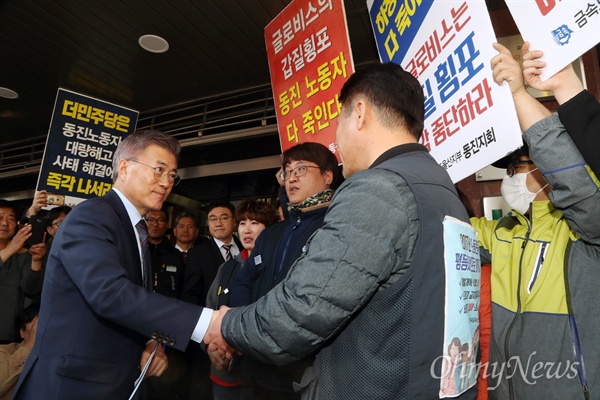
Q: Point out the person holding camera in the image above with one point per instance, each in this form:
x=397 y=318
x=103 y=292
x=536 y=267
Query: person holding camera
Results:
x=21 y=272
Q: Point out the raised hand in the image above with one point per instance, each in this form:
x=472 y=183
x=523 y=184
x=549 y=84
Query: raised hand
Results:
x=564 y=84
x=506 y=68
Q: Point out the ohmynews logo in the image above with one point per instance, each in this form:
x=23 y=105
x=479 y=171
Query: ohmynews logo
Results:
x=529 y=372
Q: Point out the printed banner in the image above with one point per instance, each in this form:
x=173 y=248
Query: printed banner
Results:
x=309 y=60
x=563 y=30
x=461 y=326
x=83 y=136
x=470 y=121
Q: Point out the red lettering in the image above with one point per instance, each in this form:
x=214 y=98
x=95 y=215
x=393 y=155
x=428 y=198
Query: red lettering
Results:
x=546 y=6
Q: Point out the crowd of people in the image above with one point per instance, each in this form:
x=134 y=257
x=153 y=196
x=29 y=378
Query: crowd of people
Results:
x=343 y=296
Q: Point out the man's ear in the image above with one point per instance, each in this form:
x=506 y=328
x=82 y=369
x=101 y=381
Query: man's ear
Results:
x=361 y=112
x=122 y=168
x=328 y=177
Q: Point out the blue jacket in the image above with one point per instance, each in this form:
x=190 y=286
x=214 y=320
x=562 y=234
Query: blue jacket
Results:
x=276 y=249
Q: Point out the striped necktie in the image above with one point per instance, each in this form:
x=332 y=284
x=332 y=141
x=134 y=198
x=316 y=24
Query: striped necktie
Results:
x=142 y=230
x=227 y=248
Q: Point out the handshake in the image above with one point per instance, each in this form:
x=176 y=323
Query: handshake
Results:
x=218 y=350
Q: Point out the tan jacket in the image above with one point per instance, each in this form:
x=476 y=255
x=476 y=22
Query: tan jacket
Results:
x=12 y=360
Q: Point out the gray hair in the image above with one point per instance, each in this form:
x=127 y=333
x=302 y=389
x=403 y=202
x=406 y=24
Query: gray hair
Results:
x=185 y=214
x=134 y=144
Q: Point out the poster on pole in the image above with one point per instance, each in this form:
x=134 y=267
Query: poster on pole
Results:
x=470 y=121
x=563 y=30
x=83 y=136
x=309 y=58
x=461 y=313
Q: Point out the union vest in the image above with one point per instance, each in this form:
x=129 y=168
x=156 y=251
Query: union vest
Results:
x=399 y=334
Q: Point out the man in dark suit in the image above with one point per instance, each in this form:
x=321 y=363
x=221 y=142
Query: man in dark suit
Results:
x=97 y=317
x=168 y=267
x=204 y=259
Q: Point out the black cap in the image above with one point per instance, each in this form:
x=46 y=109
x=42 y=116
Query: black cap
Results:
x=504 y=161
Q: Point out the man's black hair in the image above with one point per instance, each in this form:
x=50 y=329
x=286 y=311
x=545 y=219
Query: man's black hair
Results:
x=26 y=316
x=55 y=213
x=317 y=153
x=396 y=94
x=11 y=205
x=220 y=203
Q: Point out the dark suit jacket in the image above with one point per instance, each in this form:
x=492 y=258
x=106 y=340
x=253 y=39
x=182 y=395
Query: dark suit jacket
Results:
x=96 y=317
x=203 y=261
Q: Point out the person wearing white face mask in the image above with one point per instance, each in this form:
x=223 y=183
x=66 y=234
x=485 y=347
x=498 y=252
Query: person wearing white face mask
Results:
x=545 y=258
x=523 y=182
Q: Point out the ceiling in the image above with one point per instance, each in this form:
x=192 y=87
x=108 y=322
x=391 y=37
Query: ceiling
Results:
x=214 y=71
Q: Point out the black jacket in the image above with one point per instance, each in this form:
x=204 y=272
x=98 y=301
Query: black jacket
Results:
x=168 y=269
x=203 y=261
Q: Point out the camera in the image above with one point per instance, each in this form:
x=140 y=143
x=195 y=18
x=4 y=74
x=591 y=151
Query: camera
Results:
x=56 y=199
x=38 y=228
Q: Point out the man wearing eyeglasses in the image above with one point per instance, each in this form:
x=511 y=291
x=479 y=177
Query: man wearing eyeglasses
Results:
x=545 y=254
x=202 y=263
x=368 y=296
x=166 y=275
x=168 y=267
x=99 y=321
x=310 y=173
x=204 y=259
x=54 y=218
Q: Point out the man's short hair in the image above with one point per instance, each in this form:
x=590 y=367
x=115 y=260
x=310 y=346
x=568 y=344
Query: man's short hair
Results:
x=185 y=214
x=220 y=203
x=316 y=153
x=55 y=212
x=26 y=316
x=515 y=155
x=11 y=205
x=396 y=94
x=162 y=210
x=137 y=142
x=256 y=210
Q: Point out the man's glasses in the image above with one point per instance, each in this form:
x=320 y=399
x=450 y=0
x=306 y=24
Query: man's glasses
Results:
x=222 y=218
x=298 y=171
x=155 y=220
x=511 y=170
x=159 y=173
x=57 y=223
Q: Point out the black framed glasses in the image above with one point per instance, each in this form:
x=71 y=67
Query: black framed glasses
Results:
x=57 y=223
x=152 y=220
x=511 y=170
x=223 y=218
x=160 y=172
x=298 y=171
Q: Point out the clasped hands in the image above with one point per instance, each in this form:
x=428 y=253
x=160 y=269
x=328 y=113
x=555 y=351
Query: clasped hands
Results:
x=218 y=350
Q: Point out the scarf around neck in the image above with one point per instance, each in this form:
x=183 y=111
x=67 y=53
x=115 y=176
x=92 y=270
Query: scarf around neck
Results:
x=316 y=199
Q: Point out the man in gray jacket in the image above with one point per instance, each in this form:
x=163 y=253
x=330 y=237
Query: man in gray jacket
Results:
x=368 y=296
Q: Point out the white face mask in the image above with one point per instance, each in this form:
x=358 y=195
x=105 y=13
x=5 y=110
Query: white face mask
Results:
x=515 y=193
